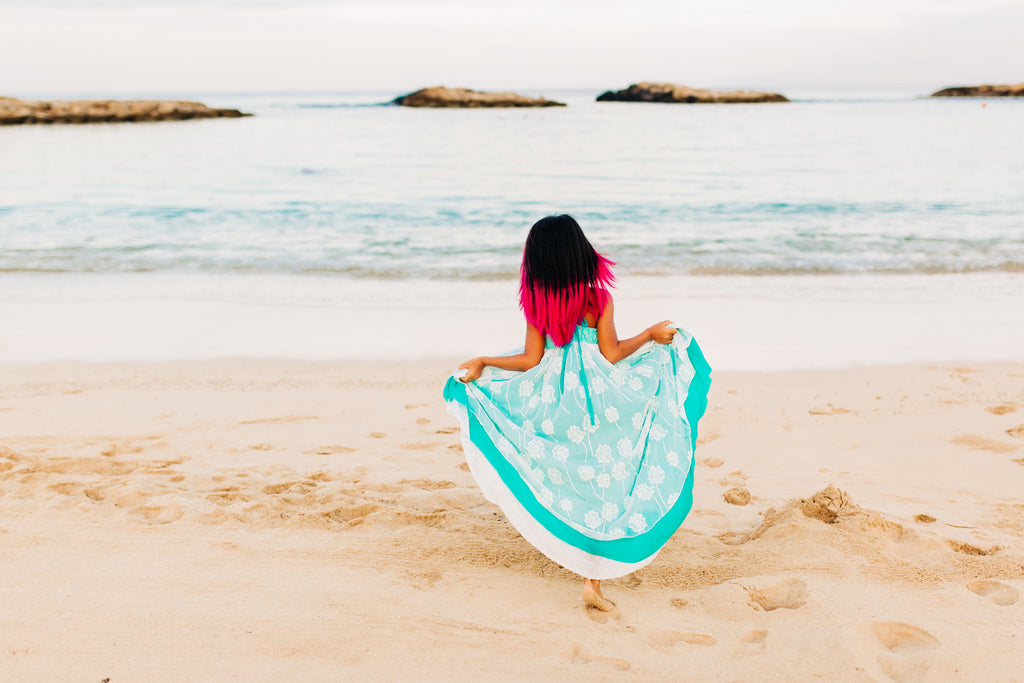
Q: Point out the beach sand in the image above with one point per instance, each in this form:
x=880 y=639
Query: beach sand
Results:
x=286 y=520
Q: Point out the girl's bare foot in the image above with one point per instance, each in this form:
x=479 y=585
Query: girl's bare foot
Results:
x=592 y=596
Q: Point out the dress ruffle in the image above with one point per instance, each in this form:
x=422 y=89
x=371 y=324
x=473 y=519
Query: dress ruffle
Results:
x=591 y=462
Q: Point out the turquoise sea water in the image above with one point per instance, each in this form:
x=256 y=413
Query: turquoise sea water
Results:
x=842 y=228
x=330 y=184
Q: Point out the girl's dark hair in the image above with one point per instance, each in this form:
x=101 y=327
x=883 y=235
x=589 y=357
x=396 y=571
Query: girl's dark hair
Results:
x=562 y=277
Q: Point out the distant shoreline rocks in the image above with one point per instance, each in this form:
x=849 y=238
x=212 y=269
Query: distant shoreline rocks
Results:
x=14 y=111
x=669 y=92
x=468 y=99
x=982 y=91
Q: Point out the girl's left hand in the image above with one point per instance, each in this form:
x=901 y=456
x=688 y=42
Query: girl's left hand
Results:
x=475 y=367
x=662 y=332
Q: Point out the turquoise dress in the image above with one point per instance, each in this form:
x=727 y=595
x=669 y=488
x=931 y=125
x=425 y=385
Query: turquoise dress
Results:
x=592 y=462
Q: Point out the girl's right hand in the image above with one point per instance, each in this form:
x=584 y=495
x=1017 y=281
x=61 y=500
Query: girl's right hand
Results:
x=662 y=332
x=474 y=366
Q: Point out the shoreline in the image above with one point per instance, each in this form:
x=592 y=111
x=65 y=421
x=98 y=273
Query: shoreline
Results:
x=260 y=518
x=763 y=323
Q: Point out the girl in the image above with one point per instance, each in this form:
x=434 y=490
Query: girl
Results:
x=584 y=440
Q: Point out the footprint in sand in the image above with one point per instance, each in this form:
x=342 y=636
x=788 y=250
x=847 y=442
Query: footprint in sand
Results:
x=970 y=549
x=998 y=593
x=907 y=650
x=577 y=655
x=1016 y=432
x=427 y=484
x=751 y=643
x=726 y=601
x=1002 y=409
x=980 y=443
x=418 y=446
x=411 y=406
x=120 y=449
x=377 y=435
x=678 y=603
x=712 y=462
x=422 y=421
x=331 y=450
x=736 y=496
x=736 y=478
x=670 y=638
x=789 y=594
x=924 y=519
x=600 y=617
x=828 y=410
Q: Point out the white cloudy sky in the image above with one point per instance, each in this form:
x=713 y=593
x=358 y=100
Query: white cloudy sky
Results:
x=126 y=46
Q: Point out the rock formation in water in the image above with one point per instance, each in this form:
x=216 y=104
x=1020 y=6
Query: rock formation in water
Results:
x=15 y=111
x=667 y=92
x=461 y=97
x=982 y=91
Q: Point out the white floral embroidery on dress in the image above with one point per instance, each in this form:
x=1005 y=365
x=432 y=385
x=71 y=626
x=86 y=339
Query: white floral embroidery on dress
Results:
x=625 y=447
x=636 y=384
x=526 y=388
x=603 y=453
x=645 y=370
x=609 y=511
x=616 y=533
x=528 y=427
x=548 y=427
x=638 y=523
x=575 y=434
x=658 y=432
x=655 y=475
x=572 y=381
x=603 y=480
x=672 y=408
x=638 y=420
x=644 y=492
x=566 y=505
x=598 y=385
x=612 y=413
x=535 y=448
x=585 y=472
x=619 y=471
x=506 y=448
x=592 y=519
x=560 y=452
x=547 y=394
x=545 y=496
x=672 y=458
x=554 y=476
x=618 y=377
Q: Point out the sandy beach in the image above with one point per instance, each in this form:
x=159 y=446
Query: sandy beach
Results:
x=271 y=519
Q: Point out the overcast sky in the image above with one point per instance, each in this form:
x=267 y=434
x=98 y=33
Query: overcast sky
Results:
x=153 y=46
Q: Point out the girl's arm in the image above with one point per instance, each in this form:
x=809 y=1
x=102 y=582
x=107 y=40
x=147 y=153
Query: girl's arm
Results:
x=533 y=350
x=615 y=349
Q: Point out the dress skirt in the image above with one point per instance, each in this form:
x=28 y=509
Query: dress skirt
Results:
x=592 y=462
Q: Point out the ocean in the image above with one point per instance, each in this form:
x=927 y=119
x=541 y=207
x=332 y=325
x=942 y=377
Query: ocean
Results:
x=329 y=213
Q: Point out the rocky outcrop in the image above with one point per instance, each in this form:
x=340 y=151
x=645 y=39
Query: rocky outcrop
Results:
x=982 y=91
x=461 y=97
x=15 y=111
x=667 y=92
